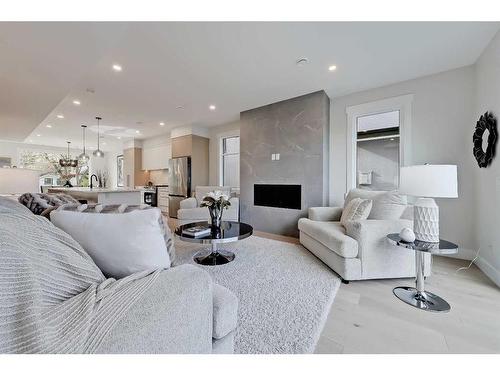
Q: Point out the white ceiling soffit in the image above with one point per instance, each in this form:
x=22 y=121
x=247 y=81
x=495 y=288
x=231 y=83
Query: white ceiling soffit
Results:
x=172 y=72
x=40 y=63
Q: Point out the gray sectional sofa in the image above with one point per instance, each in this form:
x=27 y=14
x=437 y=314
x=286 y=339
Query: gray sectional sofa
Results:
x=54 y=299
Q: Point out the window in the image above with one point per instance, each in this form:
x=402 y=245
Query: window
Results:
x=47 y=162
x=230 y=163
x=378 y=143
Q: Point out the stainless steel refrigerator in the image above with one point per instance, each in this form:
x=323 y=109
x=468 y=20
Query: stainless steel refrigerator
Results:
x=179 y=183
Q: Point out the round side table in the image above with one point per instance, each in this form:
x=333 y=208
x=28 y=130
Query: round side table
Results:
x=418 y=297
x=229 y=231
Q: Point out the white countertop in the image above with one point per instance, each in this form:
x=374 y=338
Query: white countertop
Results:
x=77 y=189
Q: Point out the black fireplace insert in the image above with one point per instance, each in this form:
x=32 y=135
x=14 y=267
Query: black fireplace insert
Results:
x=277 y=195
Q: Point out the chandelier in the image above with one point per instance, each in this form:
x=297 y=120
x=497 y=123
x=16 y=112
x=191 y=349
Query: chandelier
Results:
x=68 y=162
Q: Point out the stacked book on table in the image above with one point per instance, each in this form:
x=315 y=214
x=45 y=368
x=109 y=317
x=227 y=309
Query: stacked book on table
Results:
x=197 y=231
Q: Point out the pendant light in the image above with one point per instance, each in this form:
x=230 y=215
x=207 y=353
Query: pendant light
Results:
x=98 y=153
x=83 y=157
x=68 y=162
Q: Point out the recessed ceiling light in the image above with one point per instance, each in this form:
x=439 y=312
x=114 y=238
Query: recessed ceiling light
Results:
x=392 y=139
x=211 y=107
x=119 y=137
x=180 y=107
x=38 y=135
x=60 y=116
x=331 y=68
x=117 y=68
x=162 y=124
x=137 y=131
x=76 y=102
x=48 y=126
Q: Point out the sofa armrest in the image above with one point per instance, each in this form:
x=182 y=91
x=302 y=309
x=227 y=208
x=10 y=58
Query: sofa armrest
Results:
x=375 y=230
x=188 y=203
x=379 y=258
x=325 y=213
x=174 y=315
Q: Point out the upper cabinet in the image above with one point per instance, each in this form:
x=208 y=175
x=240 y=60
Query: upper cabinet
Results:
x=156 y=155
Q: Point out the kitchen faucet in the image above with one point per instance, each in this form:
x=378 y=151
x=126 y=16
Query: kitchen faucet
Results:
x=96 y=180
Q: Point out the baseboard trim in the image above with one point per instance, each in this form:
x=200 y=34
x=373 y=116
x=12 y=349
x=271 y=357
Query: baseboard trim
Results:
x=488 y=270
x=464 y=254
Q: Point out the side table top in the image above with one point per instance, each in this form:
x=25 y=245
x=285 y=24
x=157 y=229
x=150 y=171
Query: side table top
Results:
x=229 y=231
x=442 y=247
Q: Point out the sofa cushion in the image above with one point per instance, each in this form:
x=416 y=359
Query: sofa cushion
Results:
x=332 y=235
x=387 y=205
x=356 y=209
x=119 y=243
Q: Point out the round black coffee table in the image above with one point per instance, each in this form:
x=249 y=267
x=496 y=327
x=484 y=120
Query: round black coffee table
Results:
x=229 y=231
x=418 y=297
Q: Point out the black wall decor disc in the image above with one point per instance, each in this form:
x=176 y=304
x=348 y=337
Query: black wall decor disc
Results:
x=485 y=122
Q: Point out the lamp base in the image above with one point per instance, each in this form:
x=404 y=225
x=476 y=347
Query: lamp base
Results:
x=426 y=220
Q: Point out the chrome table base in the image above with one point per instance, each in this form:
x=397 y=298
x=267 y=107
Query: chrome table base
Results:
x=421 y=300
x=214 y=256
x=418 y=297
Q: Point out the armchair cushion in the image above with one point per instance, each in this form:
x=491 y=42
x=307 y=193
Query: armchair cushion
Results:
x=188 y=203
x=332 y=235
x=325 y=213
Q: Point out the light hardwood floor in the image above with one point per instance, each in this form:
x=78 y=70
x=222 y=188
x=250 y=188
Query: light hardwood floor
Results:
x=367 y=318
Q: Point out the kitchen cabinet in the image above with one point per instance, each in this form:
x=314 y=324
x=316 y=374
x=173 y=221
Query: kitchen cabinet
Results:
x=156 y=157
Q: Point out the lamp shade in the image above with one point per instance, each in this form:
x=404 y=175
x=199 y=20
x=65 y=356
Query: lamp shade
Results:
x=432 y=181
x=19 y=181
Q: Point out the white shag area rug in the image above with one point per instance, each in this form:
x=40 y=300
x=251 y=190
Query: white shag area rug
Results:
x=285 y=293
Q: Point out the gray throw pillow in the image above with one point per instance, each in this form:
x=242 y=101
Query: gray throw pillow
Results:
x=387 y=205
x=124 y=208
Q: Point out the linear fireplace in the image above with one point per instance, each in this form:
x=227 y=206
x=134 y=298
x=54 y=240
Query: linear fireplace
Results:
x=277 y=195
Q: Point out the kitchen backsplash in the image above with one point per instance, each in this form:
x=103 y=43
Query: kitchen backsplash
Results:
x=159 y=177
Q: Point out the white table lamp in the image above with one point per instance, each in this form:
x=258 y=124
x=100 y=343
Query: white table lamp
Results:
x=18 y=181
x=428 y=181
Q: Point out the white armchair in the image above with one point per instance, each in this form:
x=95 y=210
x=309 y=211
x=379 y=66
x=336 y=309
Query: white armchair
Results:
x=360 y=250
x=190 y=210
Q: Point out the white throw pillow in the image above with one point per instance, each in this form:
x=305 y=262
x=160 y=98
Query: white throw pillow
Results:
x=356 y=209
x=120 y=244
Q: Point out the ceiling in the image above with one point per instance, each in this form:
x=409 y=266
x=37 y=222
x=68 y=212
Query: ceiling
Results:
x=172 y=72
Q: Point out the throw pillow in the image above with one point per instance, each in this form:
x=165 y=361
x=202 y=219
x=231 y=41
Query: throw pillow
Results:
x=387 y=205
x=42 y=204
x=357 y=209
x=120 y=242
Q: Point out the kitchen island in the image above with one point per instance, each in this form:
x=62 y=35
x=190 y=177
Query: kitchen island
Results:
x=101 y=195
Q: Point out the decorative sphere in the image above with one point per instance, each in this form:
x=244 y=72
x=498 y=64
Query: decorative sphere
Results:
x=407 y=235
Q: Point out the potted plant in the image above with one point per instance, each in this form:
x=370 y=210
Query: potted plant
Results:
x=216 y=201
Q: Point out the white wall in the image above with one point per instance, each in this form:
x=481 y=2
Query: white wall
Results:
x=487 y=197
x=216 y=133
x=441 y=133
